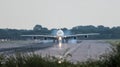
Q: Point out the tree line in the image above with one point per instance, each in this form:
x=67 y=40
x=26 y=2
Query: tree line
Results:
x=105 y=32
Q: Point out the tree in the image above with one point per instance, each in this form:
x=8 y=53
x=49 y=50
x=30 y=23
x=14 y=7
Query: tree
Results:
x=37 y=27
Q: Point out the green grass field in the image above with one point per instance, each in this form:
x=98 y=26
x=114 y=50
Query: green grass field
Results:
x=113 y=41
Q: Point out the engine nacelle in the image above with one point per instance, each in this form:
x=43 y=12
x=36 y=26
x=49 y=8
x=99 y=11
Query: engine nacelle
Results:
x=75 y=37
x=34 y=38
x=86 y=36
x=45 y=38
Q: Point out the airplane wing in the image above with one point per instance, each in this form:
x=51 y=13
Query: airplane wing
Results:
x=81 y=35
x=49 y=36
x=65 y=36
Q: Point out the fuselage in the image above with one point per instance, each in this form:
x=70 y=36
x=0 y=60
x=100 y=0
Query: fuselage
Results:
x=60 y=35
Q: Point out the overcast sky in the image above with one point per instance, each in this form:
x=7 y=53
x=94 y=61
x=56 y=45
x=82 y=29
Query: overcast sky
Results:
x=24 y=14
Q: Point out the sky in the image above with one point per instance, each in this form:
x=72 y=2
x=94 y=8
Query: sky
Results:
x=25 y=14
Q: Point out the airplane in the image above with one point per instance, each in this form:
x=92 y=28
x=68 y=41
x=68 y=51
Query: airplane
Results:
x=60 y=36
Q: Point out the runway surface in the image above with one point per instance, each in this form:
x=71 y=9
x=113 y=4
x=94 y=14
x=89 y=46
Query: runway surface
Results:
x=72 y=51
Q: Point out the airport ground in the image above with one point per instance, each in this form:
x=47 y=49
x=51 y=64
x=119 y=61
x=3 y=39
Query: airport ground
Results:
x=82 y=51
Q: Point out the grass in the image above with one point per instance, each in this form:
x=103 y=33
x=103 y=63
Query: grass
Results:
x=113 y=41
x=32 y=60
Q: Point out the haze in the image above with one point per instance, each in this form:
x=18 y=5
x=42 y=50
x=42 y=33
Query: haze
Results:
x=24 y=14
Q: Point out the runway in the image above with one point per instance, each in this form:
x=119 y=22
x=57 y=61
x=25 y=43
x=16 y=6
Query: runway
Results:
x=71 y=51
x=87 y=49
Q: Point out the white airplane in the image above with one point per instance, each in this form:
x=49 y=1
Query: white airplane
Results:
x=60 y=36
